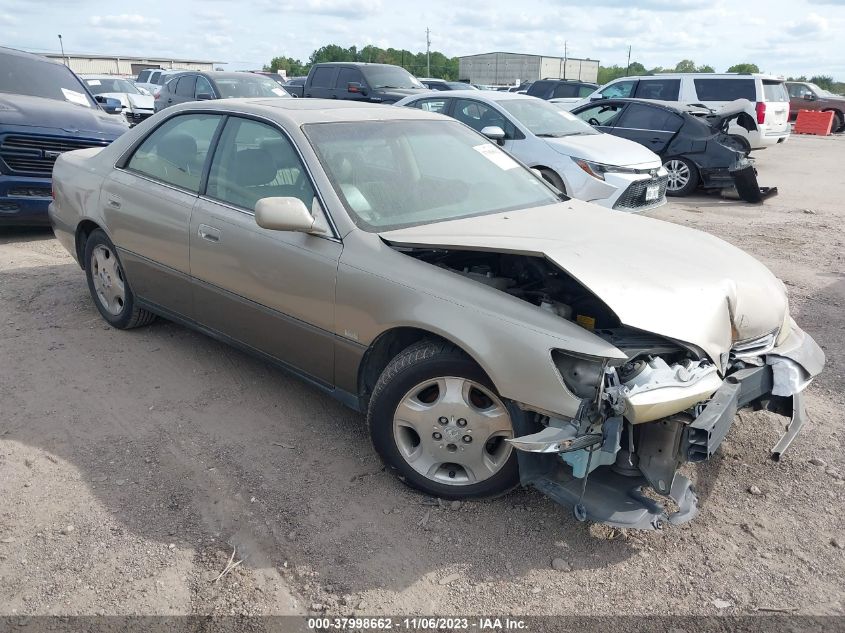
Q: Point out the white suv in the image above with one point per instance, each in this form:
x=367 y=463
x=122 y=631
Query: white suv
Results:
x=767 y=94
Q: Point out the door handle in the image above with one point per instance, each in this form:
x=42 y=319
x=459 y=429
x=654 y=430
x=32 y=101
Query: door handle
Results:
x=209 y=233
x=114 y=203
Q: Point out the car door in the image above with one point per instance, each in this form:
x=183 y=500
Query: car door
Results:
x=147 y=202
x=272 y=291
x=183 y=91
x=322 y=83
x=347 y=76
x=648 y=125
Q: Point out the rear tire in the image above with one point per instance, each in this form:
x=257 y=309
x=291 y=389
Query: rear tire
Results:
x=439 y=425
x=108 y=285
x=683 y=176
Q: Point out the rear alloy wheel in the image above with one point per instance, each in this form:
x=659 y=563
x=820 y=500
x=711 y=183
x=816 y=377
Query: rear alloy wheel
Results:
x=437 y=422
x=683 y=177
x=108 y=286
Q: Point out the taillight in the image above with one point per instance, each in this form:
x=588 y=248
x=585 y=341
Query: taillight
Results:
x=761 y=112
x=156 y=95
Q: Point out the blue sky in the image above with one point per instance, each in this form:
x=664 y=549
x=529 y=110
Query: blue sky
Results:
x=789 y=37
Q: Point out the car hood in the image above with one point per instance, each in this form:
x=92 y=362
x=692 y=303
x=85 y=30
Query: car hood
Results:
x=656 y=276
x=131 y=100
x=401 y=93
x=604 y=148
x=51 y=113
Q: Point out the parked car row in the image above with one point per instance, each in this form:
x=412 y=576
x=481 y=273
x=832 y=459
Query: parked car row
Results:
x=492 y=331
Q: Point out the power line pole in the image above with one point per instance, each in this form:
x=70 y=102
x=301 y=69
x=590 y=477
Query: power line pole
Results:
x=565 y=55
x=427 y=52
x=628 y=67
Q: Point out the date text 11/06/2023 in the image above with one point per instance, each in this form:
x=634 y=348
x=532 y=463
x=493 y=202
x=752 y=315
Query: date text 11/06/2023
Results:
x=418 y=623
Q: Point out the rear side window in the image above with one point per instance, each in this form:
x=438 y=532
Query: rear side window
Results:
x=565 y=90
x=142 y=76
x=659 y=89
x=725 y=89
x=204 y=87
x=186 y=85
x=774 y=91
x=154 y=78
x=643 y=117
x=542 y=89
x=322 y=77
x=175 y=152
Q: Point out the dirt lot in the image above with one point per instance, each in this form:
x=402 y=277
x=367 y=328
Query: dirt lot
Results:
x=132 y=463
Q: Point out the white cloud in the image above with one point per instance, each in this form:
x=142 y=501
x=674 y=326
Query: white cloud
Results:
x=812 y=25
x=8 y=19
x=123 y=20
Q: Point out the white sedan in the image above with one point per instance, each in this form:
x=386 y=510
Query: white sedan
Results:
x=577 y=159
x=137 y=105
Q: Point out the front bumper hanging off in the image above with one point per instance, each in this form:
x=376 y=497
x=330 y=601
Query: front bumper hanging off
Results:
x=615 y=496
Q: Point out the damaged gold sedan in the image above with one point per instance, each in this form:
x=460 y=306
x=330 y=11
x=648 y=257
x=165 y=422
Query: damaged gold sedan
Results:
x=493 y=331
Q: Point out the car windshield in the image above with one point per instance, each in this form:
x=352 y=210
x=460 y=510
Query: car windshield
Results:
x=102 y=85
x=390 y=77
x=395 y=174
x=236 y=87
x=26 y=76
x=822 y=92
x=544 y=119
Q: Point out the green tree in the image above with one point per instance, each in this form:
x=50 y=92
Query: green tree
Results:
x=292 y=67
x=706 y=68
x=685 y=66
x=744 y=68
x=823 y=81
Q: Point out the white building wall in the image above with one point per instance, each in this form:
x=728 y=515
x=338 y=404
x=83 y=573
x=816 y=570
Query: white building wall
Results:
x=512 y=68
x=123 y=66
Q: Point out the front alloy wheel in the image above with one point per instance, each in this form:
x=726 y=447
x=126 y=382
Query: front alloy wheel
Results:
x=439 y=425
x=451 y=430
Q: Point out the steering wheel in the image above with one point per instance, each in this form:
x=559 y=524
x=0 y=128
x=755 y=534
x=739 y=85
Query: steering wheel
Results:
x=593 y=121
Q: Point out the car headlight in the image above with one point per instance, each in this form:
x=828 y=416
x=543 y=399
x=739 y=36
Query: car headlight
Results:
x=582 y=375
x=785 y=328
x=598 y=170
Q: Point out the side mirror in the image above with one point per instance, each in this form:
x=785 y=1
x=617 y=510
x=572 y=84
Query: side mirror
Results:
x=494 y=133
x=356 y=87
x=109 y=104
x=809 y=96
x=285 y=214
x=204 y=96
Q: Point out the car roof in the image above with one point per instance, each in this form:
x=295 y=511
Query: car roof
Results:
x=301 y=111
x=92 y=76
x=489 y=95
x=705 y=76
x=674 y=106
x=38 y=58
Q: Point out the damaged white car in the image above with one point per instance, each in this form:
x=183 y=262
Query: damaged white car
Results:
x=493 y=330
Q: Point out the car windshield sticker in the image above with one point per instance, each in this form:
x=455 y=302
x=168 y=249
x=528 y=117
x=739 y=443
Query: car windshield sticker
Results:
x=496 y=156
x=278 y=91
x=93 y=82
x=76 y=97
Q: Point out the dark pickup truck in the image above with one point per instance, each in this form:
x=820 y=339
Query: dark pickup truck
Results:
x=44 y=110
x=373 y=83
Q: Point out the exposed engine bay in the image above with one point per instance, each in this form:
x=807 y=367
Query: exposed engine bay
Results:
x=640 y=418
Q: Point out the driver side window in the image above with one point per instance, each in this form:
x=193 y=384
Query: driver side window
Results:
x=203 y=87
x=253 y=161
x=620 y=90
x=478 y=115
x=602 y=115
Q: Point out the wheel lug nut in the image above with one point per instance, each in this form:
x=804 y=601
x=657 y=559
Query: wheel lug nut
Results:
x=443 y=420
x=462 y=422
x=467 y=439
x=436 y=435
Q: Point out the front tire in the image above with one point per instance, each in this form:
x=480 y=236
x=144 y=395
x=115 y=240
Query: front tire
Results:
x=108 y=285
x=683 y=176
x=836 y=126
x=439 y=425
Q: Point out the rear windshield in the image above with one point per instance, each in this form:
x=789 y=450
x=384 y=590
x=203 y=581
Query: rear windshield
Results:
x=35 y=78
x=774 y=91
x=725 y=89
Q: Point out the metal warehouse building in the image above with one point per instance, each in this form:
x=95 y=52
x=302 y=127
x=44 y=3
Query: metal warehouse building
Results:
x=501 y=69
x=120 y=65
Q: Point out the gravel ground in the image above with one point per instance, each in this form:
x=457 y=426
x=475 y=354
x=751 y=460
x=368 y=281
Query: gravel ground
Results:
x=133 y=465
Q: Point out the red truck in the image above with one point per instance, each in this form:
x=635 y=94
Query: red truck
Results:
x=804 y=95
